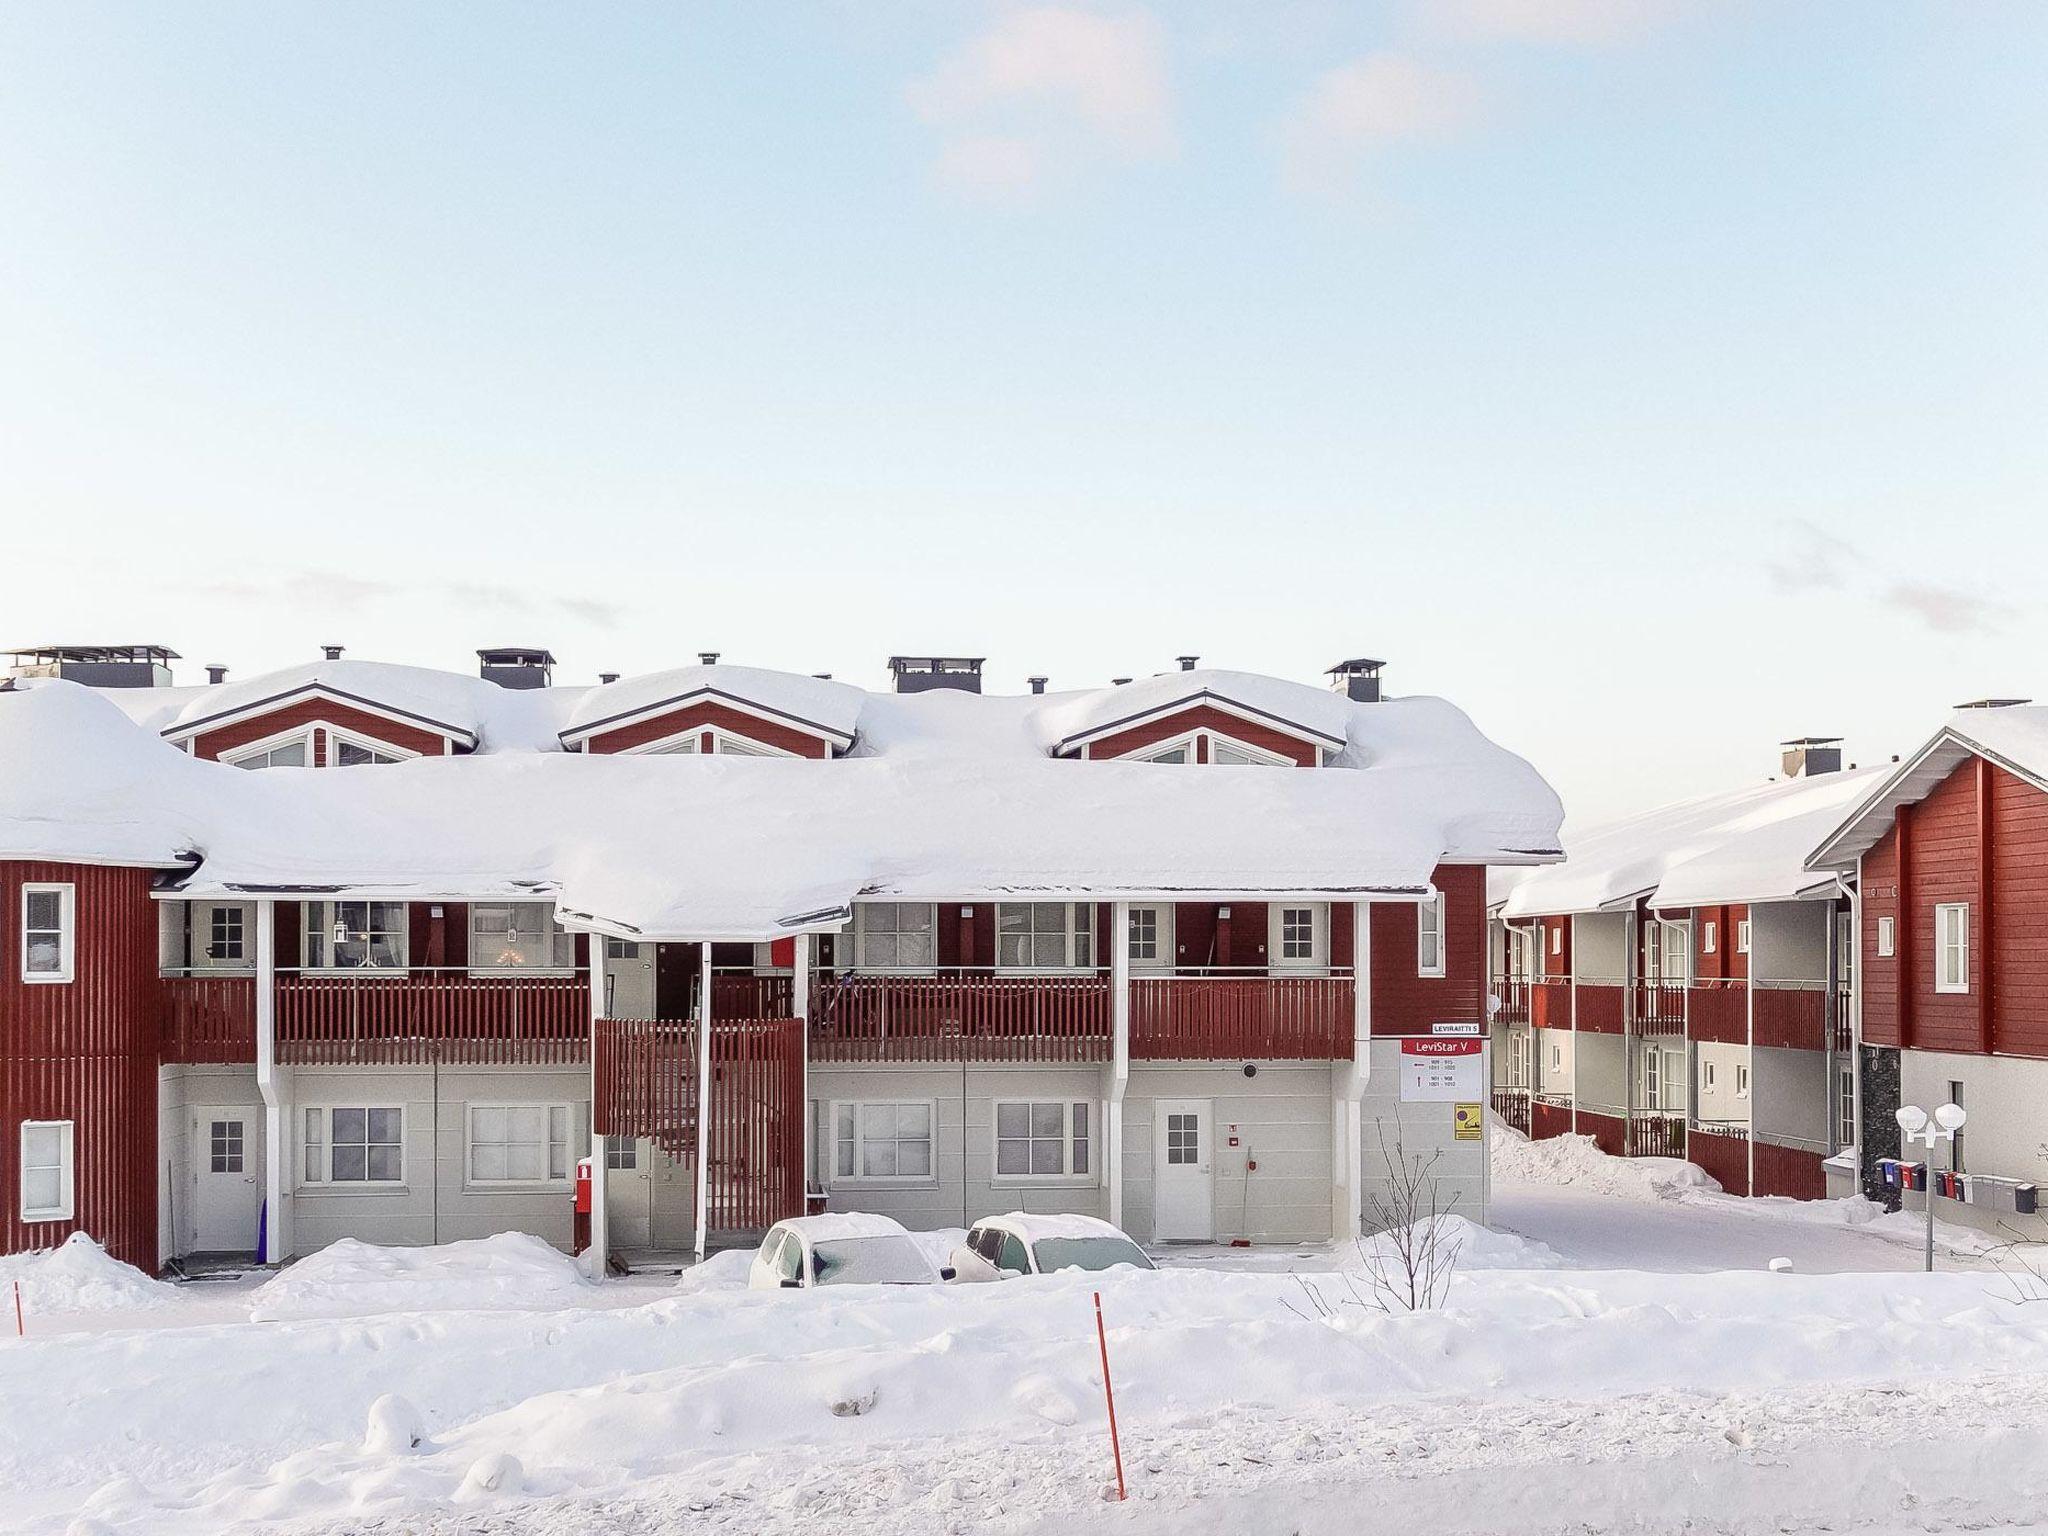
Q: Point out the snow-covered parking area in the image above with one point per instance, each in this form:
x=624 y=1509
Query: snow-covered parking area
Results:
x=487 y=1388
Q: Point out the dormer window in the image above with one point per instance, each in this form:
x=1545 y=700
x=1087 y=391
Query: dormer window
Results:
x=316 y=746
x=296 y=753
x=1208 y=747
x=713 y=741
x=353 y=754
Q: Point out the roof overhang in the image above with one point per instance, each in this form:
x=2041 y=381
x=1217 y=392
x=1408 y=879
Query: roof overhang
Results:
x=1194 y=699
x=185 y=730
x=1913 y=781
x=833 y=736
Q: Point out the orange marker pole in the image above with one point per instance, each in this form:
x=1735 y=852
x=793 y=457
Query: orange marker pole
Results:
x=1109 y=1396
x=20 y=1328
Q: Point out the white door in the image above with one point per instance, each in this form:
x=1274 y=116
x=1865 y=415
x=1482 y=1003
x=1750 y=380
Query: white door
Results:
x=223 y=936
x=628 y=980
x=227 y=1178
x=629 y=1192
x=1185 y=1205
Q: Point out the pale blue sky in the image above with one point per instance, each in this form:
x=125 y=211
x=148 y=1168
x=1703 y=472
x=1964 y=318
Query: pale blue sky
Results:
x=1655 y=379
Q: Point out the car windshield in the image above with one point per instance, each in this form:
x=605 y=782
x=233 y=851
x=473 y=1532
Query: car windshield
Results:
x=1087 y=1253
x=870 y=1261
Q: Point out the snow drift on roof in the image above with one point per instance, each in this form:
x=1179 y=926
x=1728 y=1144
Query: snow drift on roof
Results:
x=823 y=705
x=948 y=796
x=1748 y=845
x=1295 y=706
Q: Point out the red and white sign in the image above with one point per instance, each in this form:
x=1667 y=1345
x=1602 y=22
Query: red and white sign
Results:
x=1441 y=1071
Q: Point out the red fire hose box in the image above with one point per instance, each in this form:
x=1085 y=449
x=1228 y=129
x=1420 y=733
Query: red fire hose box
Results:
x=580 y=1234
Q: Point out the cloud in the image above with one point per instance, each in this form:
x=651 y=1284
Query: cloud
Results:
x=1048 y=87
x=1579 y=23
x=1821 y=562
x=1371 y=104
x=1949 y=610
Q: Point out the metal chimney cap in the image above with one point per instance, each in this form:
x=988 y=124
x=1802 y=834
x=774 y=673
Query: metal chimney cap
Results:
x=607 y=677
x=707 y=658
x=1992 y=703
x=1038 y=683
x=1187 y=663
x=332 y=652
x=216 y=672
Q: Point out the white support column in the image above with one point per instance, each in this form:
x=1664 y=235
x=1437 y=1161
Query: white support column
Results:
x=1571 y=930
x=1347 y=1092
x=1119 y=1054
x=600 y=1224
x=703 y=1130
x=1749 y=1046
x=800 y=1006
x=274 y=1084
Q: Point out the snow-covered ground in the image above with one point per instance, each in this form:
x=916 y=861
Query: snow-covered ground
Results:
x=1555 y=1391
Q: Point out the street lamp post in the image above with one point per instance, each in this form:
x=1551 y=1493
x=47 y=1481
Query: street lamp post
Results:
x=1917 y=1126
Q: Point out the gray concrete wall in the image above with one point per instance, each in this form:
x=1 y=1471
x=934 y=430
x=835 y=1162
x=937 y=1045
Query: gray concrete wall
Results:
x=1600 y=946
x=1602 y=1073
x=179 y=1090
x=1719 y=1103
x=1409 y=1130
x=1555 y=1060
x=1789 y=1098
x=1281 y=1118
x=1788 y=941
x=2007 y=1133
x=963 y=1186
x=436 y=1203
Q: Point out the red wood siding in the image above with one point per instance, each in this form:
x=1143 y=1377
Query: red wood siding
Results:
x=1551 y=1005
x=1404 y=1003
x=1724 y=1158
x=1253 y=1018
x=1600 y=1008
x=702 y=713
x=1556 y=930
x=303 y=712
x=1794 y=1018
x=1789 y=1171
x=1981 y=837
x=1547 y=1120
x=1205 y=717
x=1719 y=1014
x=1609 y=1132
x=1725 y=961
x=85 y=1051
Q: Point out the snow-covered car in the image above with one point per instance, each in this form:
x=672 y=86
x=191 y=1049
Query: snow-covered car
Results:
x=840 y=1248
x=1000 y=1247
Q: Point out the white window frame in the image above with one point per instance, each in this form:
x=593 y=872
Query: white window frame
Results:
x=1077 y=925
x=301 y=735
x=861 y=936
x=1200 y=746
x=561 y=960
x=1556 y=1056
x=1742 y=1079
x=324 y=926
x=1706 y=1077
x=66 y=931
x=1674 y=948
x=1887 y=938
x=1845 y=1106
x=1956 y=947
x=1319 y=938
x=689 y=742
x=1709 y=932
x=1067 y=1173
x=1557 y=940
x=336 y=736
x=860 y=1109
x=67 y=1204
x=239 y=755
x=1653 y=1078
x=1164 y=942
x=1742 y=937
x=551 y=1111
x=316 y=1155
x=1430 y=933
x=207 y=913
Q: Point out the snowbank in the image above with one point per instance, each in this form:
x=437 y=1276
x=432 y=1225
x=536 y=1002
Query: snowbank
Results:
x=511 y=1271
x=77 y=1276
x=1477 y=1248
x=1578 y=1160
x=726 y=1271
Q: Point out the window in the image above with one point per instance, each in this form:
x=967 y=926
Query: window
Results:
x=1741 y=1080
x=295 y=753
x=354 y=754
x=685 y=746
x=622 y=1154
x=48 y=932
x=519 y=1143
x=46 y=1170
x=1845 y=1107
x=518 y=935
x=1230 y=754
x=883 y=1141
x=355 y=935
x=1670 y=952
x=1556 y=1057
x=1653 y=1079
x=1706 y=1076
x=1518 y=1059
x=1885 y=937
x=1045 y=935
x=1955 y=1146
x=224 y=1146
x=225 y=936
x=1742 y=937
x=1010 y=1255
x=1299 y=936
x=1845 y=948
x=789 y=1259
x=1182 y=754
x=1429 y=936
x=1952 y=947
x=1183 y=1140
x=620 y=949
x=896 y=936
x=1709 y=936
x=1151 y=938
x=1557 y=940
x=355 y=1146
x=1041 y=1139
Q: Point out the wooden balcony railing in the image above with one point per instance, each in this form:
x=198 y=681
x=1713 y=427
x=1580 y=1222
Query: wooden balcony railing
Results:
x=1512 y=1105
x=960 y=1018
x=415 y=1017
x=209 y=1020
x=1656 y=1133
x=1657 y=1008
x=1719 y=1011
x=1601 y=1006
x=741 y=995
x=1550 y=1004
x=1513 y=992
x=1792 y=1014
x=1209 y=1018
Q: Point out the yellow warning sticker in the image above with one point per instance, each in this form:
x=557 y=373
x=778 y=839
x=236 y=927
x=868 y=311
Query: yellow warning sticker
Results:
x=1466 y=1122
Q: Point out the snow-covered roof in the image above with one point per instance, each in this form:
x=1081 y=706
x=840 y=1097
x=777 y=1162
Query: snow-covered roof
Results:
x=444 y=702
x=814 y=704
x=2015 y=737
x=946 y=795
x=1746 y=846
x=1315 y=713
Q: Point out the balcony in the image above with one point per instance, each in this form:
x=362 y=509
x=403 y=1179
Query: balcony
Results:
x=960 y=1018
x=1222 y=1018
x=1719 y=1011
x=411 y=1018
x=1657 y=1008
x=1602 y=1006
x=1550 y=1004
x=1514 y=995
x=1513 y=1106
x=209 y=1020
x=1791 y=1014
x=1656 y=1133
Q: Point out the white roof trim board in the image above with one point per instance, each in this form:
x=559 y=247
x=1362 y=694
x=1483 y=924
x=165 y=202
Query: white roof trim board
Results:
x=2014 y=738
x=827 y=710
x=1294 y=708
x=944 y=796
x=413 y=696
x=1746 y=846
